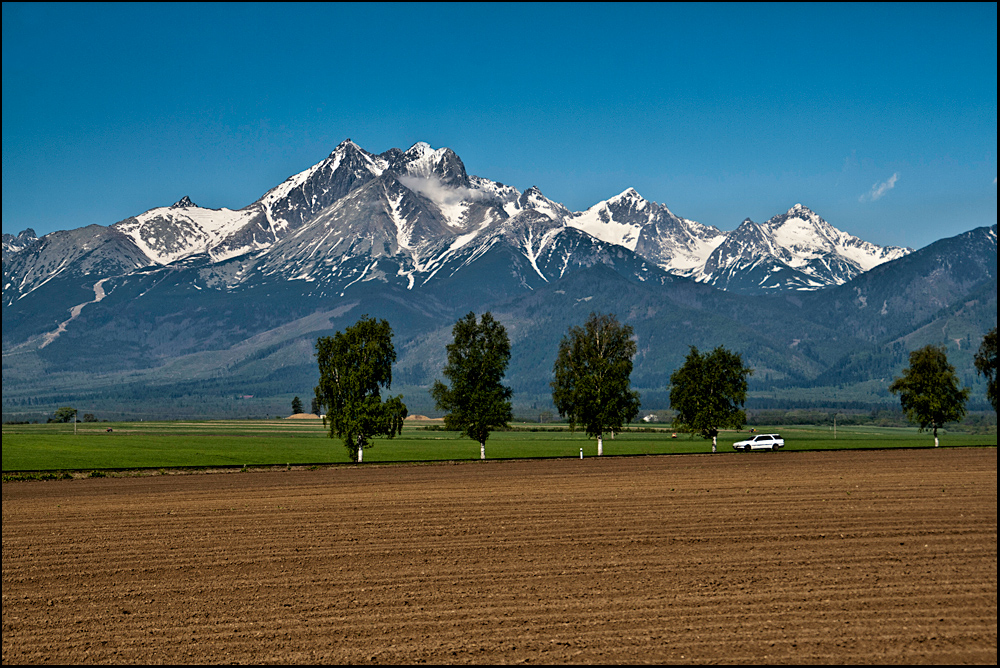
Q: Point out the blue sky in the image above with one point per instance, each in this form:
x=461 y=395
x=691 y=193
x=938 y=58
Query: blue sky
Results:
x=881 y=118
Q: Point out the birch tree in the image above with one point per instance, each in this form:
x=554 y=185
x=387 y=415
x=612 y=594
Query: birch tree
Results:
x=353 y=366
x=928 y=390
x=592 y=384
x=708 y=393
x=477 y=402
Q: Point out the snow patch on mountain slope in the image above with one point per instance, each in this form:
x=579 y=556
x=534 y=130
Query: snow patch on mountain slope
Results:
x=533 y=244
x=599 y=221
x=506 y=195
x=168 y=234
x=691 y=261
x=807 y=237
x=281 y=191
x=404 y=227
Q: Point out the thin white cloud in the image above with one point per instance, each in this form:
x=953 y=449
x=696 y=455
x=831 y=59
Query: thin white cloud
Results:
x=880 y=189
x=435 y=190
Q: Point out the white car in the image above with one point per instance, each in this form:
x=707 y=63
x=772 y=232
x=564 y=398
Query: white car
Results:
x=760 y=442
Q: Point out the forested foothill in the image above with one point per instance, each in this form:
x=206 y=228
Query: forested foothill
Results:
x=246 y=354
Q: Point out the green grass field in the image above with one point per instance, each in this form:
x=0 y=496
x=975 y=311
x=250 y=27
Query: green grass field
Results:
x=54 y=447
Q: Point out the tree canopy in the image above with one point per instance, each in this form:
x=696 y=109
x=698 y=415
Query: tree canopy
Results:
x=64 y=414
x=928 y=390
x=708 y=393
x=297 y=406
x=477 y=402
x=353 y=366
x=592 y=384
x=986 y=364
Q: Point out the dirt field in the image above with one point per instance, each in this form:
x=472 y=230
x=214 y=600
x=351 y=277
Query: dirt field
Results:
x=856 y=557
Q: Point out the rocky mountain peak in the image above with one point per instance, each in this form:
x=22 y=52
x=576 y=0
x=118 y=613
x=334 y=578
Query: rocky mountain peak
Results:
x=529 y=196
x=24 y=239
x=422 y=161
x=346 y=148
x=629 y=196
x=183 y=203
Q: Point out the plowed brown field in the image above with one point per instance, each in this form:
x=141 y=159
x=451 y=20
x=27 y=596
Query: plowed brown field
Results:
x=858 y=557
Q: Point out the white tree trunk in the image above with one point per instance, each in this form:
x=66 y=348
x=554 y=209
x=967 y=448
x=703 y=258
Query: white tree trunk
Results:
x=482 y=451
x=935 y=440
x=600 y=445
x=714 y=443
x=360 y=454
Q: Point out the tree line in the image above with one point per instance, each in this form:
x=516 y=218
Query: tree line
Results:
x=591 y=384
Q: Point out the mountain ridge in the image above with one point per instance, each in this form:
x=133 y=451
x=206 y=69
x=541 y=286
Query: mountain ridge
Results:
x=427 y=195
x=227 y=303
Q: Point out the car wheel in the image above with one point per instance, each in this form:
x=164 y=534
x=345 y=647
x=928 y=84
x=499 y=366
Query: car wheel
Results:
x=775 y=447
x=747 y=448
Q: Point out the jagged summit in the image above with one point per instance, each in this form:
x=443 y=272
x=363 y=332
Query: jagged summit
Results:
x=422 y=161
x=25 y=239
x=345 y=218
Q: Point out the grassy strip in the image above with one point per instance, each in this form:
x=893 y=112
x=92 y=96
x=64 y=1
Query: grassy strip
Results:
x=237 y=443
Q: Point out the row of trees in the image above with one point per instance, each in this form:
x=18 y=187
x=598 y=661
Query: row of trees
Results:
x=69 y=414
x=590 y=386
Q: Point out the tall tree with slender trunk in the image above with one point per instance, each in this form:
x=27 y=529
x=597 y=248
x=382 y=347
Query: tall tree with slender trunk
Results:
x=592 y=384
x=353 y=366
x=708 y=393
x=477 y=401
x=928 y=390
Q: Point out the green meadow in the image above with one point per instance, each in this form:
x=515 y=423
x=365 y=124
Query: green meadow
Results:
x=55 y=447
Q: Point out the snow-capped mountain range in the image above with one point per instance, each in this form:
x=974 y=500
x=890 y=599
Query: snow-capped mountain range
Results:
x=184 y=311
x=408 y=217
